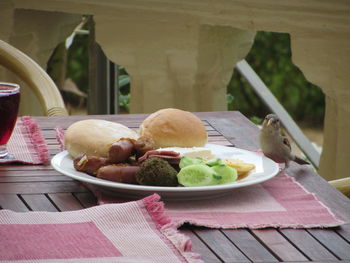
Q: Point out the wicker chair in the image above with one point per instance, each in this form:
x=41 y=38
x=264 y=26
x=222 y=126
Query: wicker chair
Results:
x=35 y=77
x=343 y=185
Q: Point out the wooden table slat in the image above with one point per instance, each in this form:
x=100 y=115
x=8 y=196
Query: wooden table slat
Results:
x=41 y=187
x=24 y=168
x=29 y=173
x=308 y=245
x=12 y=202
x=39 y=202
x=334 y=242
x=207 y=255
x=344 y=231
x=87 y=199
x=221 y=245
x=22 y=179
x=251 y=247
x=280 y=246
x=65 y=201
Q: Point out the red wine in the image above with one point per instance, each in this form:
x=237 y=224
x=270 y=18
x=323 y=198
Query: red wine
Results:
x=9 y=102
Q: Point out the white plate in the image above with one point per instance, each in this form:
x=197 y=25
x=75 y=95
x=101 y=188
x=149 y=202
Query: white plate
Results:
x=265 y=170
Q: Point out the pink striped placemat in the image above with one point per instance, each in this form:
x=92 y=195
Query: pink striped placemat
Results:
x=27 y=144
x=132 y=232
x=280 y=202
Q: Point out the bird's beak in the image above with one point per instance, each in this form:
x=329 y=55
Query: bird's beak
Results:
x=269 y=122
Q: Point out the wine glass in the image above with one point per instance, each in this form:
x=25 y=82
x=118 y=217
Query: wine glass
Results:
x=9 y=104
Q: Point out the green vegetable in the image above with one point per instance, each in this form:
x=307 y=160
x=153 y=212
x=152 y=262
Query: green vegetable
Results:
x=197 y=175
x=214 y=162
x=156 y=171
x=186 y=161
x=227 y=173
x=196 y=172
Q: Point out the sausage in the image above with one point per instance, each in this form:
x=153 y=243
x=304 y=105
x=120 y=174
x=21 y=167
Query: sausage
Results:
x=143 y=144
x=121 y=173
x=88 y=164
x=120 y=151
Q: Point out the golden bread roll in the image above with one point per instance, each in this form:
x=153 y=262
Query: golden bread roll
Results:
x=93 y=137
x=174 y=127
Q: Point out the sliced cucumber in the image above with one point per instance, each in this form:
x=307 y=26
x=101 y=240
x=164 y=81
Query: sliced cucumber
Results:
x=214 y=162
x=197 y=175
x=186 y=161
x=227 y=173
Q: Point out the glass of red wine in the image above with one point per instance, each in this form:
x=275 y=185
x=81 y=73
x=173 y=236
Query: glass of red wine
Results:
x=9 y=104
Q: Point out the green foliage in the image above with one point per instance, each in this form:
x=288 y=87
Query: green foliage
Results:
x=124 y=90
x=256 y=120
x=71 y=64
x=124 y=102
x=270 y=57
x=78 y=62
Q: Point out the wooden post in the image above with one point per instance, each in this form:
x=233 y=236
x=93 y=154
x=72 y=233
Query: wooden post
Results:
x=101 y=96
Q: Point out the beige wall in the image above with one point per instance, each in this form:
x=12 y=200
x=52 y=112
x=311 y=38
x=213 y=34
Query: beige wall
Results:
x=36 y=33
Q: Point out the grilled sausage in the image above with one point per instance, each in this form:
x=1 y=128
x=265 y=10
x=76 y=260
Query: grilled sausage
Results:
x=89 y=164
x=120 y=151
x=121 y=173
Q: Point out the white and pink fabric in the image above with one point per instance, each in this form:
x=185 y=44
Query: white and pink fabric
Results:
x=27 y=143
x=133 y=232
x=280 y=202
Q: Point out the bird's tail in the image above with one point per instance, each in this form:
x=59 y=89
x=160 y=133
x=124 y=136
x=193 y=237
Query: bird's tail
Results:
x=300 y=160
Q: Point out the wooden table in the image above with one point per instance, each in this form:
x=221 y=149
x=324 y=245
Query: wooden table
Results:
x=40 y=188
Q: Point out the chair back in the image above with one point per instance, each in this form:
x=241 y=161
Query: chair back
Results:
x=35 y=77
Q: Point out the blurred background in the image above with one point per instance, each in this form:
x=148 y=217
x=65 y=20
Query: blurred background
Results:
x=270 y=57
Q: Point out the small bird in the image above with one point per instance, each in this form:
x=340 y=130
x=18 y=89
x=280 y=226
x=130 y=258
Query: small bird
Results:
x=274 y=144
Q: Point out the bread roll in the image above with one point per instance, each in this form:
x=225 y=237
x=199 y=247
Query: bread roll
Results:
x=174 y=127
x=93 y=137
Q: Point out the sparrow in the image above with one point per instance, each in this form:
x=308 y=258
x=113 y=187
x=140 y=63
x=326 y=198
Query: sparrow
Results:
x=274 y=144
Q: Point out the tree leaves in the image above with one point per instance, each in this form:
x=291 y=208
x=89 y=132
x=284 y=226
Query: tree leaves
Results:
x=270 y=57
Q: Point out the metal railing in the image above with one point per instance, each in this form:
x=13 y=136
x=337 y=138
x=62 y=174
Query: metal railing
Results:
x=273 y=104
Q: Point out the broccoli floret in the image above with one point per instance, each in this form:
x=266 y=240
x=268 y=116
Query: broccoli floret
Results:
x=158 y=172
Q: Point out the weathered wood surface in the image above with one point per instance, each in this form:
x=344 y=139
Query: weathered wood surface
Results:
x=39 y=187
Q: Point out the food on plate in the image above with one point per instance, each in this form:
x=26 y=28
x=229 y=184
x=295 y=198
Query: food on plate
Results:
x=242 y=167
x=89 y=164
x=197 y=172
x=197 y=175
x=174 y=127
x=113 y=152
x=193 y=152
x=158 y=172
x=121 y=173
x=170 y=156
x=226 y=174
x=161 y=167
x=94 y=137
x=143 y=144
x=122 y=164
x=214 y=162
x=186 y=161
x=121 y=150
